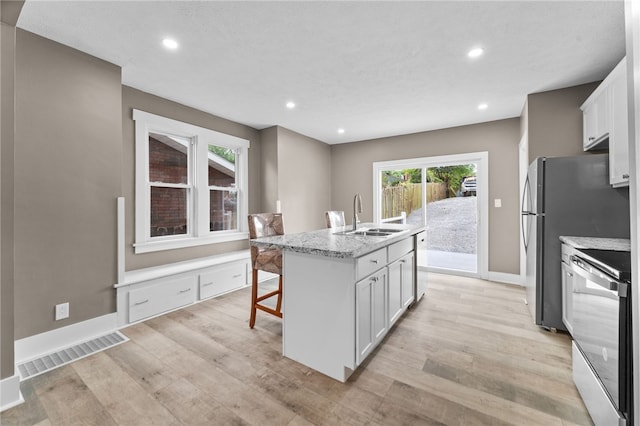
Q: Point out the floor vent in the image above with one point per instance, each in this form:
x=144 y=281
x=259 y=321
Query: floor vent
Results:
x=62 y=357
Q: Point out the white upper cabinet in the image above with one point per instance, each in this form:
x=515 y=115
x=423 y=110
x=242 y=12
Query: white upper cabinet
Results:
x=619 y=134
x=605 y=123
x=595 y=123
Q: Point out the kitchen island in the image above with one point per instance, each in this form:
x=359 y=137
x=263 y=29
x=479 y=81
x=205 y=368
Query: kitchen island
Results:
x=343 y=291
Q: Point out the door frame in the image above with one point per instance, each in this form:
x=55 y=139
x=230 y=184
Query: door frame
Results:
x=482 y=193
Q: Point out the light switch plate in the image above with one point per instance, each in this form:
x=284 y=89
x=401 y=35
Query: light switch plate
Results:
x=497 y=203
x=62 y=311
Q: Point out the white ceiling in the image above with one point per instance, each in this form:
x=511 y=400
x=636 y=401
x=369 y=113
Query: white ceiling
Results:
x=373 y=68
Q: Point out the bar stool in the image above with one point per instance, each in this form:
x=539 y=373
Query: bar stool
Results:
x=265 y=259
x=334 y=218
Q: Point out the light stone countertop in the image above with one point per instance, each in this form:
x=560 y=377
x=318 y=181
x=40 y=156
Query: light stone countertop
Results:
x=615 y=244
x=324 y=242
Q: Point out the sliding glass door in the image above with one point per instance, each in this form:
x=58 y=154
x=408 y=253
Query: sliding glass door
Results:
x=446 y=195
x=452 y=217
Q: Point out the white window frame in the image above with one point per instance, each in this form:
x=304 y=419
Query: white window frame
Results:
x=198 y=232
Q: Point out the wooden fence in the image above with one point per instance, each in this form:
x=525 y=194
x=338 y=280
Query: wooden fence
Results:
x=407 y=198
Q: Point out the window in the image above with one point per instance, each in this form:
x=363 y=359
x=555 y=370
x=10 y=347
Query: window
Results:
x=191 y=184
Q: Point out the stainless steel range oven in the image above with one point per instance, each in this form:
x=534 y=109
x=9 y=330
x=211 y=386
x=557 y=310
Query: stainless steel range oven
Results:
x=602 y=349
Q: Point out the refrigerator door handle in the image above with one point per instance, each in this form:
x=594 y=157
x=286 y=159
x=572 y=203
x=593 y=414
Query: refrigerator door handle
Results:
x=525 y=213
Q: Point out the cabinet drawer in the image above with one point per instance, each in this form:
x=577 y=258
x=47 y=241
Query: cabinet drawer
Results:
x=222 y=279
x=155 y=299
x=399 y=249
x=371 y=262
x=593 y=394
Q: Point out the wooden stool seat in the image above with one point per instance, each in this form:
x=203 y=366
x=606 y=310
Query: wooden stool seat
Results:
x=265 y=259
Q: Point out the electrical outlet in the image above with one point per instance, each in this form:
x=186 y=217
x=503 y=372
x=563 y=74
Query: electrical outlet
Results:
x=62 y=311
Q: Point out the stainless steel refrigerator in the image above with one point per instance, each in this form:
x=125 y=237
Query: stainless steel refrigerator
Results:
x=565 y=196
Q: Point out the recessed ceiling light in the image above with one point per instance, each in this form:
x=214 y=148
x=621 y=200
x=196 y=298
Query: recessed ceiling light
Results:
x=170 y=43
x=483 y=106
x=291 y=105
x=474 y=53
x=341 y=130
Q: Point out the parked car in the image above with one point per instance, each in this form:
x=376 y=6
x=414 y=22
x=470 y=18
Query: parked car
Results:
x=468 y=186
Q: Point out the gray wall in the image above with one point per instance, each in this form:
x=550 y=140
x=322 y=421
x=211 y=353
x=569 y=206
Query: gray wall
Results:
x=304 y=180
x=353 y=172
x=7 y=50
x=554 y=121
x=269 y=169
x=135 y=99
x=296 y=170
x=68 y=155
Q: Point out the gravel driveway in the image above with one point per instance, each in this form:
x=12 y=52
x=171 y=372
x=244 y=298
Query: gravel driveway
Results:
x=451 y=224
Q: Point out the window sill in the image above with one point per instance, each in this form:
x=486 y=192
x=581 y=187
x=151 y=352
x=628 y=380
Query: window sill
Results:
x=151 y=246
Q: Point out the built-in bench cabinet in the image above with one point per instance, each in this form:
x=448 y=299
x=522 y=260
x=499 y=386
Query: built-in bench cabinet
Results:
x=152 y=291
x=605 y=123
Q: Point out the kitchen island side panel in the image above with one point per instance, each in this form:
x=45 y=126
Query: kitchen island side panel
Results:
x=318 y=307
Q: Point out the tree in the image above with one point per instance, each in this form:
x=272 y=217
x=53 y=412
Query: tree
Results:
x=451 y=176
x=400 y=177
x=226 y=153
x=413 y=175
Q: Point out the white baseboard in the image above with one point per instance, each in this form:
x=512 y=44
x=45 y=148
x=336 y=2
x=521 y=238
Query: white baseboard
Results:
x=51 y=341
x=502 y=277
x=10 y=394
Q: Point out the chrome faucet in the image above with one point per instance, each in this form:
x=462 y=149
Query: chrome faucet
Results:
x=357 y=208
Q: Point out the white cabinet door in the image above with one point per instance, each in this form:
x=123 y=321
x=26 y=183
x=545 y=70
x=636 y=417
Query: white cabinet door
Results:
x=407 y=279
x=371 y=315
x=619 y=135
x=400 y=277
x=590 y=123
x=364 y=326
x=595 y=116
x=395 y=291
x=379 y=309
x=602 y=115
x=567 y=297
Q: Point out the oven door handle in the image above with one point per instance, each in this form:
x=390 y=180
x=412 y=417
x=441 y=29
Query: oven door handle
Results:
x=585 y=269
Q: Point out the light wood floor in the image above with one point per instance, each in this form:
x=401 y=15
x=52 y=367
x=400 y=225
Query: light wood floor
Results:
x=467 y=354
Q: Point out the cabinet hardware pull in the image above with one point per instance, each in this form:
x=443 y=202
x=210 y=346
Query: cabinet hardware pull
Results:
x=591 y=138
x=186 y=290
x=625 y=176
x=403 y=261
x=237 y=276
x=207 y=284
x=374 y=279
x=141 y=303
x=374 y=261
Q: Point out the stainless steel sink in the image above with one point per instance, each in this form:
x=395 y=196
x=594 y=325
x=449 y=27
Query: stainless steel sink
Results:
x=370 y=232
